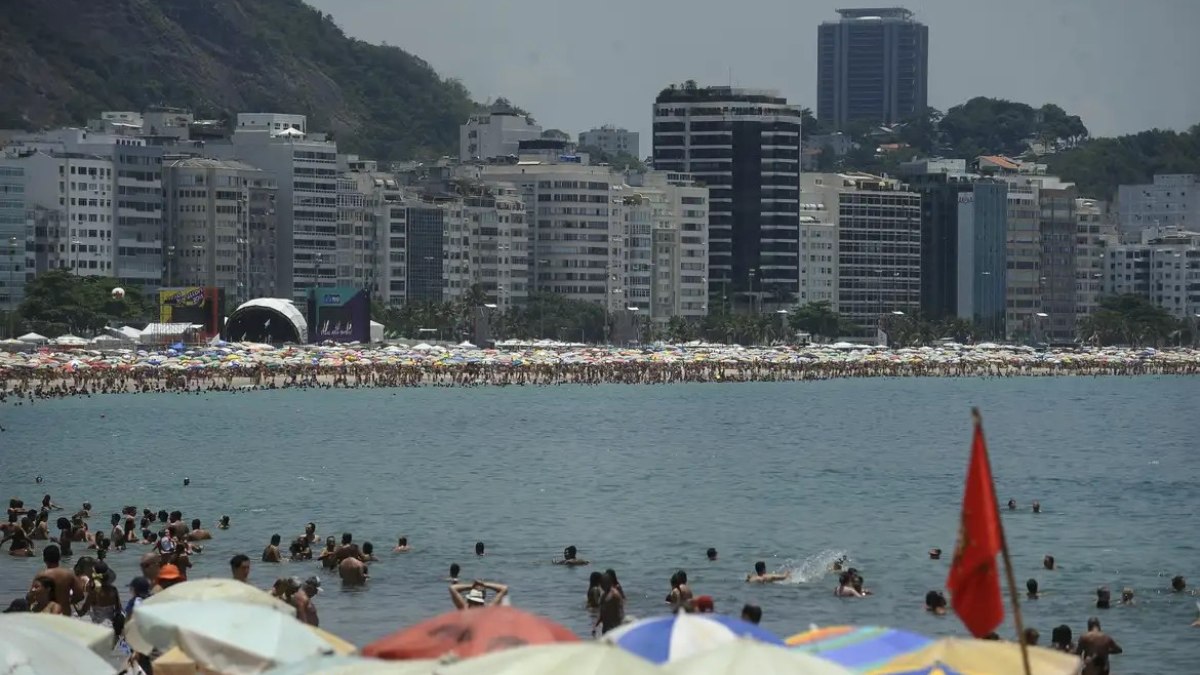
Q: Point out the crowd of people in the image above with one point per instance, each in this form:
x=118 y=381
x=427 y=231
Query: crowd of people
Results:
x=89 y=589
x=58 y=375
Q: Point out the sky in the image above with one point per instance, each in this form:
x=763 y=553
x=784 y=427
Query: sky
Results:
x=1121 y=65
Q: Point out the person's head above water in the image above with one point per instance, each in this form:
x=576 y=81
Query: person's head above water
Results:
x=1037 y=506
x=935 y=554
x=1178 y=583
x=368 y=548
x=275 y=538
x=760 y=568
x=1012 y=504
x=195 y=523
x=711 y=553
x=1103 y=597
x=1093 y=623
x=454 y=570
x=1048 y=562
x=479 y=548
x=1061 y=635
x=347 y=538
x=569 y=553
x=1032 y=586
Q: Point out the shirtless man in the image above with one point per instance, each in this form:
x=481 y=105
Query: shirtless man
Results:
x=761 y=576
x=569 y=558
x=352 y=569
x=401 y=545
x=198 y=533
x=311 y=587
x=612 y=607
x=1095 y=646
x=474 y=594
x=270 y=554
x=65 y=583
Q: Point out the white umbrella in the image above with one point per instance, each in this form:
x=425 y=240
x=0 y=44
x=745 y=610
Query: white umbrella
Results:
x=564 y=658
x=33 y=337
x=750 y=656
x=29 y=650
x=95 y=637
x=228 y=637
x=354 y=665
x=229 y=590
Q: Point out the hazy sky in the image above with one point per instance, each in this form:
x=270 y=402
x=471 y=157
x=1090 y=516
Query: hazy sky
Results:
x=1122 y=65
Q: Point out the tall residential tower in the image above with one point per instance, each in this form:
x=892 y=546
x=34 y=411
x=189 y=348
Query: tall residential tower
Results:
x=744 y=144
x=872 y=66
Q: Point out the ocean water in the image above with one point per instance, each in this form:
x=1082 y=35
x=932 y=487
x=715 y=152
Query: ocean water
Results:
x=644 y=479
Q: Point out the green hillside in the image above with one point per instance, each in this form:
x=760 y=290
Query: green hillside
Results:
x=65 y=60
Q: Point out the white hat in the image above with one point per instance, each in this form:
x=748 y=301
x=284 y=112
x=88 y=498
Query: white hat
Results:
x=475 y=596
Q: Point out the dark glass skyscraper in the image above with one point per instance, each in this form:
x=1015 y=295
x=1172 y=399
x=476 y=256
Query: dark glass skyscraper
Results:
x=872 y=66
x=744 y=144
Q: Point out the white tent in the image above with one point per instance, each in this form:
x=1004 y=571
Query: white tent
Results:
x=376 y=331
x=466 y=345
x=423 y=348
x=108 y=340
x=69 y=340
x=33 y=338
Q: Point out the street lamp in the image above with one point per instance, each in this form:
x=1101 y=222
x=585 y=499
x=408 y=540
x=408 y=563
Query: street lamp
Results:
x=637 y=325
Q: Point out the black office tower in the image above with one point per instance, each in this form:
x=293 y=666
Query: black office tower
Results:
x=745 y=146
x=872 y=66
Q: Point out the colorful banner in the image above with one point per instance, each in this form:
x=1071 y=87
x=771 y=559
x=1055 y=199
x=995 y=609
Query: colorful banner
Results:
x=340 y=314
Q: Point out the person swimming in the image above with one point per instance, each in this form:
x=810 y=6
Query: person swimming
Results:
x=760 y=575
x=935 y=603
x=570 y=558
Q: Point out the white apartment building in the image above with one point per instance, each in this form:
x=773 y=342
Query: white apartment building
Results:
x=496 y=133
x=818 y=253
x=1172 y=200
x=82 y=188
x=499 y=241
x=1165 y=269
x=209 y=224
x=612 y=140
x=576 y=224
x=666 y=245
x=1094 y=234
x=354 y=260
x=878 y=225
x=305 y=167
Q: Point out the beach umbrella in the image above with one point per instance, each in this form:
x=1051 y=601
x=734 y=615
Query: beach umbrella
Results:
x=960 y=656
x=29 y=649
x=668 y=638
x=469 y=633
x=177 y=662
x=574 y=658
x=229 y=590
x=95 y=637
x=227 y=637
x=860 y=648
x=352 y=665
x=751 y=656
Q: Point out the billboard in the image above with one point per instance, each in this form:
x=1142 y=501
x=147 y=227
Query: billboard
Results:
x=200 y=305
x=341 y=314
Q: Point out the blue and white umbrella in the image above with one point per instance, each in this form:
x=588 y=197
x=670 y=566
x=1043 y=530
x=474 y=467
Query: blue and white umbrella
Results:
x=669 y=638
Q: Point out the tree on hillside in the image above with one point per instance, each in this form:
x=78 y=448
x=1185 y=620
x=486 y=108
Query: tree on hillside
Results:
x=1098 y=165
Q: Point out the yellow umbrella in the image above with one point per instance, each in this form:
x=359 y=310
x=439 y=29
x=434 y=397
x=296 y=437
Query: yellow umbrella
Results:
x=563 y=658
x=175 y=662
x=960 y=656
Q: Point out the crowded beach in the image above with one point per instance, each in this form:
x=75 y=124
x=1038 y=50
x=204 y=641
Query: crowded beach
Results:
x=60 y=368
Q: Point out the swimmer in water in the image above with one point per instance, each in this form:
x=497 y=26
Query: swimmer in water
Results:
x=845 y=587
x=569 y=558
x=479 y=548
x=223 y=524
x=1103 y=598
x=711 y=554
x=187 y=482
x=1127 y=596
x=1048 y=562
x=935 y=603
x=761 y=576
x=401 y=545
x=1031 y=588
x=1037 y=506
x=1012 y=505
x=935 y=554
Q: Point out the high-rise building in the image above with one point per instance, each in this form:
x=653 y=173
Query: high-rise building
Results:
x=1056 y=200
x=666 y=242
x=963 y=230
x=1023 y=288
x=1162 y=268
x=13 y=237
x=818 y=252
x=879 y=244
x=612 y=140
x=744 y=144
x=210 y=240
x=1171 y=200
x=499 y=241
x=574 y=214
x=872 y=66
x=305 y=169
x=1095 y=233
x=495 y=133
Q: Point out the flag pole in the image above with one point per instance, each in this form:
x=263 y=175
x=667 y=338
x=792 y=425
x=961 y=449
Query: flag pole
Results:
x=1008 y=568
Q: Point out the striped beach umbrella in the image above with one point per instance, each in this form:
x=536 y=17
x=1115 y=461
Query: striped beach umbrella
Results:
x=669 y=638
x=859 y=648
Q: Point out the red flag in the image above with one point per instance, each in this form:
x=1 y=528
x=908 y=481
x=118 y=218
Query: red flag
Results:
x=974 y=580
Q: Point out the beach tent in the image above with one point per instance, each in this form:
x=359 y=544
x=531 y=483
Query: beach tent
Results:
x=69 y=340
x=34 y=338
x=107 y=340
x=376 y=331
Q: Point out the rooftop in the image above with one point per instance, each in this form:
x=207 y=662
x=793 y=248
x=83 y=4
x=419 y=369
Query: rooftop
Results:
x=859 y=13
x=690 y=93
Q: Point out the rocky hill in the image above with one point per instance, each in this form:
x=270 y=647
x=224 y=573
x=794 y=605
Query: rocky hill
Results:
x=65 y=60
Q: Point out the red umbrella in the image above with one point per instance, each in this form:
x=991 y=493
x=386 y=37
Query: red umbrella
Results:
x=467 y=633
